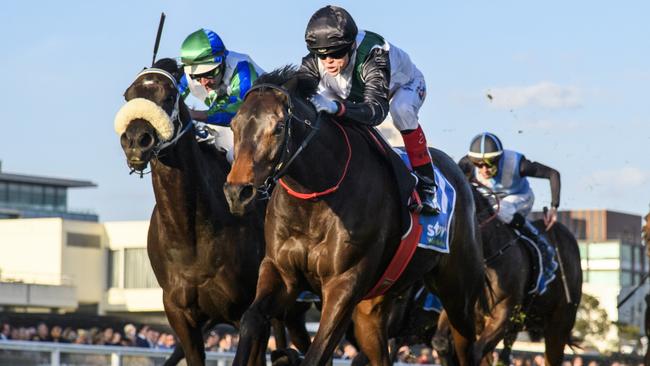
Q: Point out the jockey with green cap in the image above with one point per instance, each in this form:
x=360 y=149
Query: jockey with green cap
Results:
x=218 y=77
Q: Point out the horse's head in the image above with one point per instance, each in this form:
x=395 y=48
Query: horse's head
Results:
x=261 y=131
x=150 y=118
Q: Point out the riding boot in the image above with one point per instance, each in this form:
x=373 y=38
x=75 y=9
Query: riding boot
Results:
x=415 y=144
x=427 y=189
x=546 y=250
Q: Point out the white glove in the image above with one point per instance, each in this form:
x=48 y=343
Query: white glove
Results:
x=324 y=104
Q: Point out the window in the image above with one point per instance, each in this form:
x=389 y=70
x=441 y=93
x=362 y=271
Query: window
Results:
x=583 y=250
x=61 y=199
x=626 y=278
x=83 y=240
x=604 y=250
x=604 y=277
x=137 y=269
x=626 y=256
x=3 y=191
x=114 y=259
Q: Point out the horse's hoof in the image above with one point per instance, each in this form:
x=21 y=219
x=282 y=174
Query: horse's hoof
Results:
x=285 y=357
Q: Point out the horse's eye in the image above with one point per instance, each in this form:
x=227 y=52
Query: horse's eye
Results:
x=278 y=128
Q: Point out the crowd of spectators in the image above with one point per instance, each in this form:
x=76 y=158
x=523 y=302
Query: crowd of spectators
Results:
x=227 y=341
x=129 y=336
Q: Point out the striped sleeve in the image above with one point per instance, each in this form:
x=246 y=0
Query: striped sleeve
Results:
x=225 y=108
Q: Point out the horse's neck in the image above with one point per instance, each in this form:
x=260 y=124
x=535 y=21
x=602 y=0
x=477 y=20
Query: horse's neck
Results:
x=185 y=184
x=320 y=165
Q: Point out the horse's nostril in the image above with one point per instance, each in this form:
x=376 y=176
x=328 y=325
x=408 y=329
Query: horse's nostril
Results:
x=145 y=140
x=246 y=193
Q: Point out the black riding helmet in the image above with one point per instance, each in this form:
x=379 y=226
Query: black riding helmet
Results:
x=485 y=148
x=329 y=30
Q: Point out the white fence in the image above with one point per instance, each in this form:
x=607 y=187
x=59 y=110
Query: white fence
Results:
x=60 y=354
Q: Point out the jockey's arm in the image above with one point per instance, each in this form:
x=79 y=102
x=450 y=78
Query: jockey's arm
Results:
x=224 y=108
x=533 y=169
x=375 y=73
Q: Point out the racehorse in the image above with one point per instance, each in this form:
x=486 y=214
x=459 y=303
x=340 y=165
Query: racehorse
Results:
x=205 y=259
x=510 y=263
x=339 y=240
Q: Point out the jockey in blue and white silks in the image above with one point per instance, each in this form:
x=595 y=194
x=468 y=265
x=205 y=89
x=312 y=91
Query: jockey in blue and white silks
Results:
x=504 y=173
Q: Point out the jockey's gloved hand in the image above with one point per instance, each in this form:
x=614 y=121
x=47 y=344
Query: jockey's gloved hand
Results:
x=324 y=104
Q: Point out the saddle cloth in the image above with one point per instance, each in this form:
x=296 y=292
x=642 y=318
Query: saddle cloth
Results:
x=536 y=261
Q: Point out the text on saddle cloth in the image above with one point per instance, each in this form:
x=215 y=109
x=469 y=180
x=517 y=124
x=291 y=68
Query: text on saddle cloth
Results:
x=435 y=233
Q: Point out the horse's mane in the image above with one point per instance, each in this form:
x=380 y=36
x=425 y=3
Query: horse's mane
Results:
x=305 y=86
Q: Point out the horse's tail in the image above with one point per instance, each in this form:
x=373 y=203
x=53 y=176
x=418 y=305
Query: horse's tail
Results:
x=574 y=344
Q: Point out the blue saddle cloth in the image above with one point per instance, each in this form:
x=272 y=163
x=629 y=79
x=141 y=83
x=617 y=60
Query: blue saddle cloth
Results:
x=435 y=233
x=431 y=302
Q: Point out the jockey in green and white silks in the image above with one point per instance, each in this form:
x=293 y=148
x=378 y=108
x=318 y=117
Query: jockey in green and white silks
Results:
x=218 y=77
x=362 y=78
x=504 y=173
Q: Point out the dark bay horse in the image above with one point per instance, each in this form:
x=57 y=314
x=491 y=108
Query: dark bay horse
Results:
x=509 y=264
x=205 y=259
x=339 y=242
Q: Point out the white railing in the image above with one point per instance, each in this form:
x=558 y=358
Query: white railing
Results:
x=60 y=354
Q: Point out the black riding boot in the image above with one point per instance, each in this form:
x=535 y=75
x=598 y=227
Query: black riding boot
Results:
x=546 y=250
x=427 y=189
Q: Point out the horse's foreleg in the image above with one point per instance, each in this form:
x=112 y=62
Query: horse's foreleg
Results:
x=255 y=325
x=338 y=303
x=295 y=323
x=370 y=330
x=188 y=332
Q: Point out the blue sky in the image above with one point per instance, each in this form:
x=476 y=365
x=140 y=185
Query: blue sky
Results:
x=569 y=80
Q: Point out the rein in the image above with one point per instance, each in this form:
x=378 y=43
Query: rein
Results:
x=283 y=163
x=478 y=184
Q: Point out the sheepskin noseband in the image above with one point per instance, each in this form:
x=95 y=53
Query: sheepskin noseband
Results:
x=144 y=109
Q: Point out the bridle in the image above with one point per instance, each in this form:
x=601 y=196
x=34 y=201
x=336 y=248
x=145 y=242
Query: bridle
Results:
x=174 y=117
x=285 y=158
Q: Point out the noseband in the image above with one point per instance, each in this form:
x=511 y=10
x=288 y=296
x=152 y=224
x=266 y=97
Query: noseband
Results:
x=282 y=163
x=175 y=115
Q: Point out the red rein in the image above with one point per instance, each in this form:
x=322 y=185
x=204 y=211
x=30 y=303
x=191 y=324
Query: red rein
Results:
x=308 y=196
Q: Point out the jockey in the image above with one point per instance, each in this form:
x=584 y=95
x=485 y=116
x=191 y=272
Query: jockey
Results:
x=504 y=172
x=217 y=76
x=360 y=76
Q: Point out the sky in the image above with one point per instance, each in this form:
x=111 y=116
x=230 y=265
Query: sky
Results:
x=568 y=80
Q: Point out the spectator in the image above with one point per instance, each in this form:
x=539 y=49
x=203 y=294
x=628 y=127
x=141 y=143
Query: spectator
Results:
x=349 y=351
x=577 y=361
x=425 y=356
x=56 y=335
x=141 y=338
x=82 y=337
x=152 y=337
x=69 y=335
x=212 y=342
x=592 y=363
x=129 y=335
x=116 y=340
x=107 y=336
x=538 y=360
x=43 y=332
x=225 y=343
x=5 y=332
x=170 y=341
